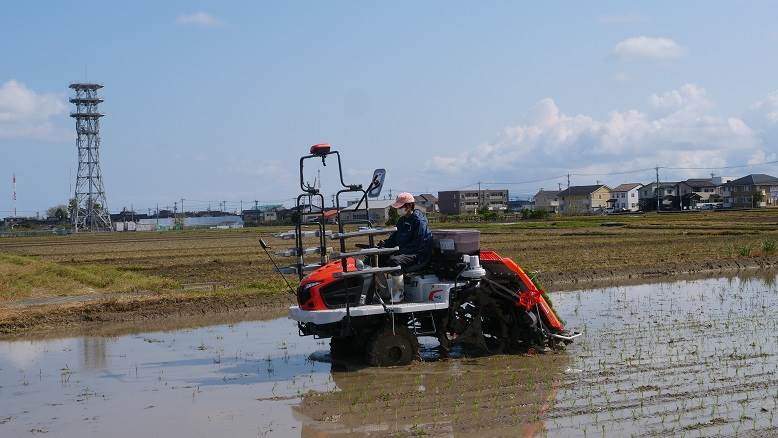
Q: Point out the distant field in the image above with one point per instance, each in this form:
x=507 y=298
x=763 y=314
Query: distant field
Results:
x=562 y=250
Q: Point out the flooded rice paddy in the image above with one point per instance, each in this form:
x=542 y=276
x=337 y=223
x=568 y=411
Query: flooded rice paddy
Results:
x=693 y=358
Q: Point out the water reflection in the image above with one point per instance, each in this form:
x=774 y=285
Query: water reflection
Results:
x=500 y=395
x=94 y=352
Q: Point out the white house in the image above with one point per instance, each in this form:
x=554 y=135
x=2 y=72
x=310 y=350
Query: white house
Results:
x=627 y=197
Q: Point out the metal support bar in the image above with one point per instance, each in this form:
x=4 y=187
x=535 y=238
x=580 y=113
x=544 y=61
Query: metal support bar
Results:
x=365 y=232
x=366 y=272
x=365 y=252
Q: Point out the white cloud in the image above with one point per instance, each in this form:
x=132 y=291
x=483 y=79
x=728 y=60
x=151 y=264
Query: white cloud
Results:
x=647 y=48
x=768 y=108
x=267 y=170
x=760 y=156
x=622 y=19
x=201 y=19
x=688 y=96
x=763 y=117
x=677 y=131
x=27 y=114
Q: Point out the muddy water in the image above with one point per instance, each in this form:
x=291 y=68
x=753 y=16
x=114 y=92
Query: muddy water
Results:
x=694 y=358
x=242 y=379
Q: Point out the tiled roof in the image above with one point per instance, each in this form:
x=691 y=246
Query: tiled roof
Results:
x=755 y=179
x=699 y=182
x=427 y=197
x=626 y=187
x=580 y=190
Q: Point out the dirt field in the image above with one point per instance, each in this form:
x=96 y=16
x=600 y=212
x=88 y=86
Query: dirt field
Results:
x=141 y=275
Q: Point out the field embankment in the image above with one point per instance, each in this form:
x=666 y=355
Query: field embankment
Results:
x=67 y=280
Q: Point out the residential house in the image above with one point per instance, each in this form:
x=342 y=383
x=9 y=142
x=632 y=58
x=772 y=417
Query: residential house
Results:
x=470 y=201
x=268 y=217
x=254 y=217
x=310 y=214
x=751 y=191
x=313 y=214
x=547 y=200
x=720 y=183
x=701 y=186
x=377 y=212
x=426 y=202
x=585 y=199
x=667 y=192
x=696 y=190
x=627 y=197
x=721 y=180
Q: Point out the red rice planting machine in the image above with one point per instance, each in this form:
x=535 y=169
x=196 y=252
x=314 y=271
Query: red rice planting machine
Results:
x=465 y=294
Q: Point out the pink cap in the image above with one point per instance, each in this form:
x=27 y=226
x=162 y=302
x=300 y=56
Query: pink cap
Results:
x=402 y=199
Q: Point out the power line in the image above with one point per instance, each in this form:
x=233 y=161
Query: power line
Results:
x=528 y=181
x=626 y=172
x=623 y=172
x=722 y=167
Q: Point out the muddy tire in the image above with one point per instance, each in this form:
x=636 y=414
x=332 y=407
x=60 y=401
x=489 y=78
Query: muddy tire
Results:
x=495 y=328
x=345 y=347
x=387 y=348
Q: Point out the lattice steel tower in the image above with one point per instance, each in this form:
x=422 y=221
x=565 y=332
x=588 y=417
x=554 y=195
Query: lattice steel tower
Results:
x=91 y=212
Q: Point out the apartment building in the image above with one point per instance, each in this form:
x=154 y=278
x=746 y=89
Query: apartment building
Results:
x=470 y=201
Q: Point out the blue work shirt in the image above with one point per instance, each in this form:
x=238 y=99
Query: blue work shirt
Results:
x=413 y=236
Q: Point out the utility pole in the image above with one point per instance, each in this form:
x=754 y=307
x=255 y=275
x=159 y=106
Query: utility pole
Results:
x=568 y=181
x=183 y=212
x=157 y=217
x=256 y=205
x=241 y=207
x=479 y=197
x=657 y=189
x=14 y=196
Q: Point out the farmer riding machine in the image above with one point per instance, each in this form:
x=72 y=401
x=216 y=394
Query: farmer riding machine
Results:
x=464 y=295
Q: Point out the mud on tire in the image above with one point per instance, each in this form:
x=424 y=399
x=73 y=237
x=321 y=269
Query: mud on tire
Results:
x=386 y=348
x=342 y=347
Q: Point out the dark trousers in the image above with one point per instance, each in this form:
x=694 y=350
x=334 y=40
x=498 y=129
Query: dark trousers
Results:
x=402 y=260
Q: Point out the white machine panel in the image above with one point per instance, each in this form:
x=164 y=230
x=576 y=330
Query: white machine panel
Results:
x=334 y=315
x=426 y=289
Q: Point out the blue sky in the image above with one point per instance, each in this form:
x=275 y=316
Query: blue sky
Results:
x=214 y=101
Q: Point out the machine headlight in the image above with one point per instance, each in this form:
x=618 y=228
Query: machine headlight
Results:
x=307 y=287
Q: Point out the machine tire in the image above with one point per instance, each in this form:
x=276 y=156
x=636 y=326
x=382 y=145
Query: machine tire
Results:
x=386 y=348
x=345 y=347
x=494 y=328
